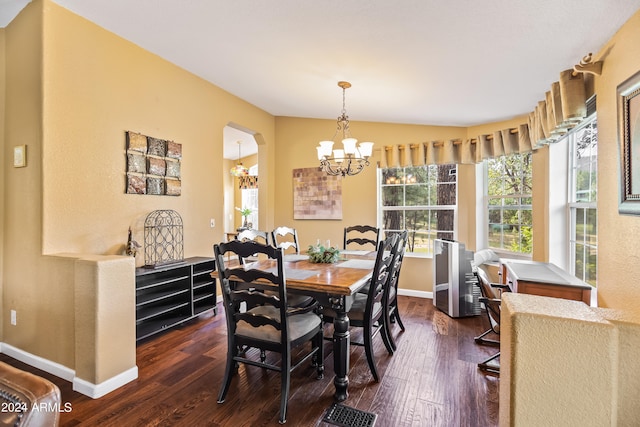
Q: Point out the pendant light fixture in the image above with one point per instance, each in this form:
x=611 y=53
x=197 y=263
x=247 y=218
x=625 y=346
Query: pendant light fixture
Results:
x=239 y=170
x=350 y=160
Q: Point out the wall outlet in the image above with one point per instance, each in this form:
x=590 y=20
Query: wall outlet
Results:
x=213 y=222
x=14 y=320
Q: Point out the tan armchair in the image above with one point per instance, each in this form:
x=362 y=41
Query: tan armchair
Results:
x=29 y=400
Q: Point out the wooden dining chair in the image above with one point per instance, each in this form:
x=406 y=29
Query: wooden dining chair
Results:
x=271 y=325
x=392 y=312
x=285 y=238
x=361 y=235
x=368 y=311
x=255 y=235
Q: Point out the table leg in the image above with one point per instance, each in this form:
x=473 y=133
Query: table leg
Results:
x=341 y=354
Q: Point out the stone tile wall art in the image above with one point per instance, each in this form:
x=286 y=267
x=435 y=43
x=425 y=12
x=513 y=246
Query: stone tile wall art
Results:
x=316 y=195
x=153 y=165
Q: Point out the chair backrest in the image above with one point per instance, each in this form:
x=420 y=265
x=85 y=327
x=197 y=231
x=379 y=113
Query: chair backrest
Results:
x=285 y=238
x=361 y=235
x=255 y=235
x=398 y=257
x=380 y=278
x=491 y=303
x=237 y=284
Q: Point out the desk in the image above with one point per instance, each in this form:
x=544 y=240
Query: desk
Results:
x=332 y=285
x=545 y=279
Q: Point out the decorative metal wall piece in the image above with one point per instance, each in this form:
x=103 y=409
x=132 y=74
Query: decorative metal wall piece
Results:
x=163 y=238
x=153 y=165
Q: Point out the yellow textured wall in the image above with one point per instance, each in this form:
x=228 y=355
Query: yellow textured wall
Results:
x=92 y=96
x=73 y=90
x=102 y=322
x=558 y=364
x=25 y=288
x=2 y=167
x=618 y=249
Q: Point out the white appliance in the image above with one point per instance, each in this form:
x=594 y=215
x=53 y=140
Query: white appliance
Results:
x=455 y=290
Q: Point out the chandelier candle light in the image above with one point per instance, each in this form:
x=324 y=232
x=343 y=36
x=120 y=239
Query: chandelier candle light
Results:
x=350 y=160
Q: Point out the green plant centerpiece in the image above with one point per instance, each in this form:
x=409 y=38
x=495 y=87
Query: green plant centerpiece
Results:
x=325 y=255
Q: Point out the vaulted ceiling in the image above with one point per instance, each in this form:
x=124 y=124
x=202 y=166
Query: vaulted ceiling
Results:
x=454 y=62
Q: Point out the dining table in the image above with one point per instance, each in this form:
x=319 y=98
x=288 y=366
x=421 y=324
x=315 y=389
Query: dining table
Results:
x=333 y=285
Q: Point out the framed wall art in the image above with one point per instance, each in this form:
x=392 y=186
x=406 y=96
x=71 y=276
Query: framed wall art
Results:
x=153 y=165
x=316 y=195
x=628 y=94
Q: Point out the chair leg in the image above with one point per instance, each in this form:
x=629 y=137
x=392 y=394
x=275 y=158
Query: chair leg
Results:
x=386 y=318
x=386 y=335
x=393 y=316
x=368 y=349
x=488 y=367
x=285 y=379
x=480 y=339
x=396 y=317
x=318 y=357
x=229 y=370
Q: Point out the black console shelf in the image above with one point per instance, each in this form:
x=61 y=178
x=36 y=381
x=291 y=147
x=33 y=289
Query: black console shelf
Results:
x=170 y=295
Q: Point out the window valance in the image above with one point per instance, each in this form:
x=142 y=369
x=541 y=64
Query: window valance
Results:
x=247 y=182
x=563 y=108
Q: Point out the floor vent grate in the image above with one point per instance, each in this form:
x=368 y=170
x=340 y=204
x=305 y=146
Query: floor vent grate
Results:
x=345 y=416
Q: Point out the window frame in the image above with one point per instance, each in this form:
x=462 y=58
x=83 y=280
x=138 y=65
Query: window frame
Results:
x=504 y=207
x=431 y=208
x=574 y=205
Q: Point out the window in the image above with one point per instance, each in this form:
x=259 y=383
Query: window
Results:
x=583 y=242
x=422 y=200
x=509 y=180
x=250 y=200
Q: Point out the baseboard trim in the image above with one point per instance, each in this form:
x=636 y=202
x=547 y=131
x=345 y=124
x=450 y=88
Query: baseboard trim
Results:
x=413 y=293
x=41 y=363
x=96 y=391
x=91 y=390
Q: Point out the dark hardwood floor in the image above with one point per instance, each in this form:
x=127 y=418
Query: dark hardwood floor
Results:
x=431 y=380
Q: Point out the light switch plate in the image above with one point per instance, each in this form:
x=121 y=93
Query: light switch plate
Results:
x=19 y=156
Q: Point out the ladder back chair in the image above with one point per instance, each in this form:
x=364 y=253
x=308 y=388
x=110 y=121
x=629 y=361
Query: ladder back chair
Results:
x=368 y=310
x=270 y=325
x=285 y=238
x=361 y=235
x=393 y=314
x=255 y=235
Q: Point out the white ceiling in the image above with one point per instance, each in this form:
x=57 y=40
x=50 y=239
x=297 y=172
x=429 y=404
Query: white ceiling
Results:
x=439 y=62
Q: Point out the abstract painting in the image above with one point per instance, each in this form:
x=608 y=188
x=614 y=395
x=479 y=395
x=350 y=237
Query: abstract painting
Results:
x=316 y=195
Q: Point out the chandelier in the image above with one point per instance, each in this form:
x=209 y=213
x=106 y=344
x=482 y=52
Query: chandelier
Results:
x=350 y=160
x=239 y=169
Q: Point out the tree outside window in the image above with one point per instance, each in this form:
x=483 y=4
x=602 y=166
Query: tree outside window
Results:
x=509 y=185
x=422 y=200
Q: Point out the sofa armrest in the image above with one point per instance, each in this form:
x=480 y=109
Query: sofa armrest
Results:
x=27 y=400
